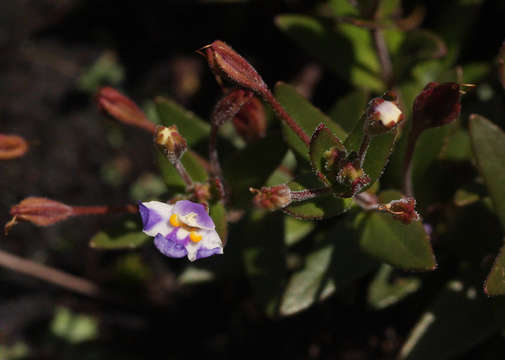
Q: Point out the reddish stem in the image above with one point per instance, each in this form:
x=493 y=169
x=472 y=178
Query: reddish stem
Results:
x=101 y=210
x=279 y=110
x=308 y=194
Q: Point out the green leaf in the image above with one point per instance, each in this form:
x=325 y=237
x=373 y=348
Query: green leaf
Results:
x=195 y=275
x=457 y=146
x=127 y=233
x=495 y=283
x=348 y=109
x=321 y=141
x=488 y=144
x=105 y=71
x=417 y=46
x=305 y=114
x=348 y=50
x=264 y=258
x=334 y=264
x=217 y=212
x=378 y=152
x=73 y=328
x=252 y=166
x=190 y=126
x=295 y=230
x=386 y=289
x=191 y=163
x=315 y=209
x=428 y=147
x=459 y=319
x=389 y=240
x=147 y=186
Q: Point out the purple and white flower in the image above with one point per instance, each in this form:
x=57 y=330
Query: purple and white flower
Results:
x=184 y=228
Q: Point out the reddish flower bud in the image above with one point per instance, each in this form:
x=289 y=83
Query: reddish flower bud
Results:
x=437 y=105
x=382 y=115
x=272 y=198
x=230 y=105
x=227 y=64
x=123 y=109
x=12 y=146
x=170 y=141
x=403 y=210
x=250 y=123
x=39 y=211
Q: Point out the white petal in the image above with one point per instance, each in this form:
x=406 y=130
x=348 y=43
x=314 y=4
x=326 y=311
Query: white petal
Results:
x=210 y=240
x=164 y=210
x=389 y=113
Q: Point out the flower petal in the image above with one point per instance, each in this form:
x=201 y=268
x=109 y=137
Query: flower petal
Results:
x=193 y=214
x=204 y=252
x=167 y=246
x=209 y=245
x=155 y=215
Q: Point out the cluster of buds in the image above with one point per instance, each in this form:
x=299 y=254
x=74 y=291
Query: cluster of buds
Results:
x=403 y=210
x=382 y=115
x=12 y=146
x=353 y=178
x=272 y=198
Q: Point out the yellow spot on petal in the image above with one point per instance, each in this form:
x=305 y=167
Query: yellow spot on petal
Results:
x=195 y=237
x=174 y=221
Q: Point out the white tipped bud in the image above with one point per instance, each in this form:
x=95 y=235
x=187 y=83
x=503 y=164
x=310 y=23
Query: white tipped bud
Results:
x=381 y=116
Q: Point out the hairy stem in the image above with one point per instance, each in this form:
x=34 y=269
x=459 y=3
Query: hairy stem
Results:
x=308 y=194
x=100 y=210
x=363 y=149
x=279 y=110
x=215 y=166
x=183 y=173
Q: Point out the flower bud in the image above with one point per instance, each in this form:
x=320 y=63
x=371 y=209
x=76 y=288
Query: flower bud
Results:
x=352 y=177
x=381 y=116
x=123 y=109
x=229 y=106
x=272 y=198
x=12 y=146
x=437 y=105
x=170 y=141
x=227 y=64
x=403 y=210
x=39 y=211
x=250 y=123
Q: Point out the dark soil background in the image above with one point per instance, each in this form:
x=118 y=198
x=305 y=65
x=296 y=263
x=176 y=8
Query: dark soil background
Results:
x=45 y=47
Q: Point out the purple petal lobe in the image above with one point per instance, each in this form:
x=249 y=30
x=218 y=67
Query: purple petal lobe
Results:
x=169 y=247
x=193 y=214
x=204 y=252
x=149 y=216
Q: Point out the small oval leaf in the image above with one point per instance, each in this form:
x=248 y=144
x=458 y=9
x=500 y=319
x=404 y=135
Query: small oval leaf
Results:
x=495 y=283
x=305 y=114
x=488 y=144
x=127 y=233
x=191 y=127
x=389 y=240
